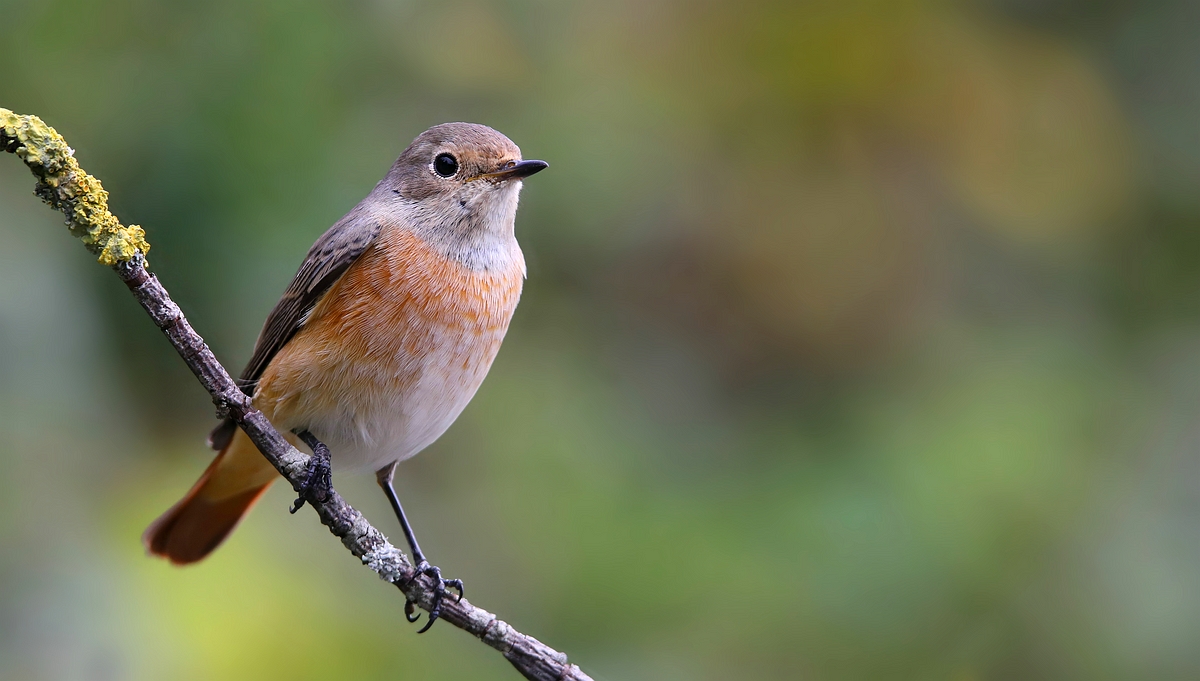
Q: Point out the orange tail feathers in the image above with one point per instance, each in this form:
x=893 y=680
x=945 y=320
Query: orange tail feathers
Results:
x=210 y=511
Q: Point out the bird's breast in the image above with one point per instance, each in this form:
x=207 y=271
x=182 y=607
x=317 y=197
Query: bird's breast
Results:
x=393 y=352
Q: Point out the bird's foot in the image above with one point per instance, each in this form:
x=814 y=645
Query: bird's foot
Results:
x=317 y=484
x=439 y=593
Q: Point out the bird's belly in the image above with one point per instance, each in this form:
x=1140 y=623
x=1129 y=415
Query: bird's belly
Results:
x=371 y=413
x=381 y=417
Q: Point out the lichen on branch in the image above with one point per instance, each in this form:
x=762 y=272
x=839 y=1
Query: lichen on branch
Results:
x=65 y=186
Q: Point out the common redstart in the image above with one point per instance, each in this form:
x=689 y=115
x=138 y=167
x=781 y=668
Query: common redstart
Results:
x=382 y=338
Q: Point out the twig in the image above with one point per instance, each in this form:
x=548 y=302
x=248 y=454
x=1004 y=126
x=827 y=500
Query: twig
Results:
x=66 y=187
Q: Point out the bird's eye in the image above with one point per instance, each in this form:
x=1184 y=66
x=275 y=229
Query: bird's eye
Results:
x=445 y=165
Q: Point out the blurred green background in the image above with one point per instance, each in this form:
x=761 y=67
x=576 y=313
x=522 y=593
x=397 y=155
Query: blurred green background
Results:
x=861 y=339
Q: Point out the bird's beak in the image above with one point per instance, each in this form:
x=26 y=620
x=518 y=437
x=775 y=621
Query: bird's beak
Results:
x=515 y=170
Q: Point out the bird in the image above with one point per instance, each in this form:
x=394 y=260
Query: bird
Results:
x=381 y=339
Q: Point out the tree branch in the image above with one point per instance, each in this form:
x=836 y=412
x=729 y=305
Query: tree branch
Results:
x=66 y=187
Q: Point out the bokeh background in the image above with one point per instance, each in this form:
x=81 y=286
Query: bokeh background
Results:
x=861 y=338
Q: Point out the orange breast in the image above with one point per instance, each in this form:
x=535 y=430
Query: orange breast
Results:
x=395 y=348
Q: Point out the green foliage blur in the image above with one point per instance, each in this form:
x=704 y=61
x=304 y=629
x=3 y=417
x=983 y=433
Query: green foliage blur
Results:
x=861 y=338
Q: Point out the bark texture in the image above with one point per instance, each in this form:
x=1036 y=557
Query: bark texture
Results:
x=66 y=187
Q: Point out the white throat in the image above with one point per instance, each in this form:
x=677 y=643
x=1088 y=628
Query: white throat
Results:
x=476 y=229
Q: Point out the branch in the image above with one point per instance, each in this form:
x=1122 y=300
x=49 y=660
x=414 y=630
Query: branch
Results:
x=66 y=187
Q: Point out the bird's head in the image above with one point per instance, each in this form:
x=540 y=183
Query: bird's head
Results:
x=461 y=177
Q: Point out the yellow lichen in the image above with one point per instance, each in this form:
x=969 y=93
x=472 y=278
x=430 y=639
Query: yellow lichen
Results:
x=66 y=187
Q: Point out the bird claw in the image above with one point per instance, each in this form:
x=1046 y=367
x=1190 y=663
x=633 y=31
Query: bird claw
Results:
x=410 y=607
x=439 y=593
x=317 y=482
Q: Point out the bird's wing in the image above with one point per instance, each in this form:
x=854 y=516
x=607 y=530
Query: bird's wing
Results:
x=326 y=261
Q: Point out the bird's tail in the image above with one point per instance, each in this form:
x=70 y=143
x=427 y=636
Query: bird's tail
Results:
x=199 y=522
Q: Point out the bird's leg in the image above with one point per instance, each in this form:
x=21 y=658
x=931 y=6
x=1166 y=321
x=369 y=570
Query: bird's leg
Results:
x=384 y=476
x=317 y=484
